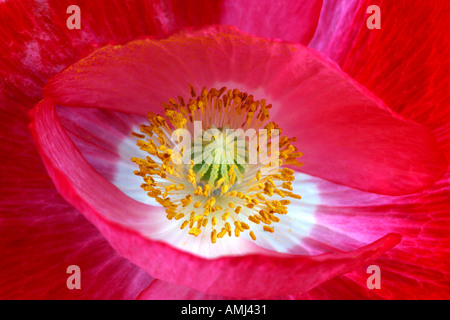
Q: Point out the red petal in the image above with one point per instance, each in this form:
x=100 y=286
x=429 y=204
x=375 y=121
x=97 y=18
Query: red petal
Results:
x=98 y=135
x=39 y=44
x=291 y=20
x=261 y=275
x=105 y=141
x=372 y=148
x=160 y=290
x=417 y=268
x=245 y=276
x=407 y=61
x=336 y=29
x=41 y=234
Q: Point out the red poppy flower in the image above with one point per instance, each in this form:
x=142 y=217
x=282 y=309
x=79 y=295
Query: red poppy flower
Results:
x=368 y=109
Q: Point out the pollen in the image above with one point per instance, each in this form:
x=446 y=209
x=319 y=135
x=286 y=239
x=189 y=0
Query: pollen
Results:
x=224 y=178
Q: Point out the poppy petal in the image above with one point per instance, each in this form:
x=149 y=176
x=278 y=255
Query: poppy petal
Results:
x=122 y=220
x=404 y=63
x=104 y=139
x=39 y=43
x=160 y=290
x=41 y=235
x=289 y=20
x=373 y=149
x=417 y=268
x=337 y=27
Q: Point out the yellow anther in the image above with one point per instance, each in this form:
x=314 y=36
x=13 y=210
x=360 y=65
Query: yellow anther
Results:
x=222 y=233
x=244 y=225
x=237 y=224
x=184 y=224
x=292 y=195
x=210 y=202
x=224 y=189
x=185 y=202
x=274 y=218
x=194 y=231
x=198 y=191
x=219 y=182
x=207 y=190
x=225 y=215
x=260 y=196
x=214 y=236
x=253 y=219
x=232 y=193
x=179 y=216
x=287 y=185
x=279 y=192
x=197 y=204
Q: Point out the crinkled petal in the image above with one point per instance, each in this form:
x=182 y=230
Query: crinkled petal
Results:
x=405 y=63
x=39 y=44
x=291 y=20
x=417 y=268
x=122 y=220
x=161 y=290
x=41 y=235
x=336 y=29
x=372 y=148
x=104 y=140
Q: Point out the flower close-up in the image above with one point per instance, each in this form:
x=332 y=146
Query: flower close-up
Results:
x=229 y=149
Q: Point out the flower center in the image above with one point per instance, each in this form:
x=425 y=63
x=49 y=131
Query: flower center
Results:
x=216 y=163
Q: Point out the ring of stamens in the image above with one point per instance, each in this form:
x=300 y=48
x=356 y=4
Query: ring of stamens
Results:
x=219 y=200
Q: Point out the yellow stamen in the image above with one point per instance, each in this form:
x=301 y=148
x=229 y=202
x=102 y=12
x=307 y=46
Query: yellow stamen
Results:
x=216 y=192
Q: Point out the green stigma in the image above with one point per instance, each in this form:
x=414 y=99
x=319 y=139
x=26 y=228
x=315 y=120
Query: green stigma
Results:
x=213 y=159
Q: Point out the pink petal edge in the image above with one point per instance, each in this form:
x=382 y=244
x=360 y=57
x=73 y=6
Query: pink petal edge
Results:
x=243 y=276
